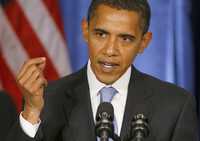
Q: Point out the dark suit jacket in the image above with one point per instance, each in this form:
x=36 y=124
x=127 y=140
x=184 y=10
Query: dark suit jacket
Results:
x=7 y=114
x=67 y=115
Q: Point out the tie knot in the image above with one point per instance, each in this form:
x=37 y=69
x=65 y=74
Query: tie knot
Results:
x=107 y=93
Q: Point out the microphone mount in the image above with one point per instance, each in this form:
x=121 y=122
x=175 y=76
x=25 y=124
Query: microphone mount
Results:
x=104 y=121
x=139 y=128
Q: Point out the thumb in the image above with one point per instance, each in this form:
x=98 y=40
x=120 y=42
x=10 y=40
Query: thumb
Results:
x=42 y=65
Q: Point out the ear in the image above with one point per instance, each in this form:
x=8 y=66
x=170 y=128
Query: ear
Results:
x=145 y=41
x=84 y=25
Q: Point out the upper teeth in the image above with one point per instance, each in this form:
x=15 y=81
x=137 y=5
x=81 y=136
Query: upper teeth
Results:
x=107 y=65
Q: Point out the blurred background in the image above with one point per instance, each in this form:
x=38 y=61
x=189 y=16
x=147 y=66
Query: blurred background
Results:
x=51 y=28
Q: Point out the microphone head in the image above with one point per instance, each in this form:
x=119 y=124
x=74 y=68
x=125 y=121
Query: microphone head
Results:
x=140 y=126
x=105 y=111
x=104 y=121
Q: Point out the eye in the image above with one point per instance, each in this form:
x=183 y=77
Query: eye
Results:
x=100 y=34
x=127 y=39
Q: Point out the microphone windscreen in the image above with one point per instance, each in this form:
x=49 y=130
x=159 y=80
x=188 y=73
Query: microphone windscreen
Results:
x=105 y=108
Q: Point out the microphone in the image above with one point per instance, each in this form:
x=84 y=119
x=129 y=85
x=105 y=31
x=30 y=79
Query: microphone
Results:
x=139 y=127
x=104 y=121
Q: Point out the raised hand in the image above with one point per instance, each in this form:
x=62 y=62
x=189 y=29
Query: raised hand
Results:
x=32 y=83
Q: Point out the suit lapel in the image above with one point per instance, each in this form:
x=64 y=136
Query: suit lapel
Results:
x=81 y=123
x=138 y=102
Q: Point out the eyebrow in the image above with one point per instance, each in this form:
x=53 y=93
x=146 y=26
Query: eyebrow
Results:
x=100 y=30
x=121 y=35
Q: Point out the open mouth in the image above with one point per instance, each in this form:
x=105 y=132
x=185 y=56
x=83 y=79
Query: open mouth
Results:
x=108 y=65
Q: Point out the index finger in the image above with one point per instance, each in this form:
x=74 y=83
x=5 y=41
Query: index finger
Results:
x=34 y=61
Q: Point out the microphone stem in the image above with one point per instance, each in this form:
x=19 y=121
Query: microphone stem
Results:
x=104 y=139
x=139 y=136
x=104 y=136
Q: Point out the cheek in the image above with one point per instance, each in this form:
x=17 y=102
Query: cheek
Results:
x=94 y=50
x=128 y=57
x=97 y=43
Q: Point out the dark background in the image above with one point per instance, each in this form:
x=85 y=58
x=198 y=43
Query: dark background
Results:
x=195 y=19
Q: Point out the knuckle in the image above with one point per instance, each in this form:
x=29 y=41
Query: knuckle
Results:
x=38 y=74
x=26 y=86
x=40 y=82
x=22 y=81
x=33 y=68
x=19 y=81
x=43 y=78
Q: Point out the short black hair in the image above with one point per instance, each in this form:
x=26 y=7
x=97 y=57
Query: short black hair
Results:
x=140 y=6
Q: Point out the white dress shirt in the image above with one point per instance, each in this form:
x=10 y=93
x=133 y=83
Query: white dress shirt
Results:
x=118 y=101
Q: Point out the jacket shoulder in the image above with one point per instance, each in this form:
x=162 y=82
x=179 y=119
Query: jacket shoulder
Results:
x=166 y=92
x=68 y=81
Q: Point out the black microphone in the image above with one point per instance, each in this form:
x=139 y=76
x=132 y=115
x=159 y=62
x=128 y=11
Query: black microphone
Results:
x=104 y=121
x=139 y=128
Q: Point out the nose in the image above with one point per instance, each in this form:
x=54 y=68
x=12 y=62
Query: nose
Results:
x=111 y=47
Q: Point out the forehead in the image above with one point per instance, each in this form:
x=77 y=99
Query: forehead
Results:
x=115 y=19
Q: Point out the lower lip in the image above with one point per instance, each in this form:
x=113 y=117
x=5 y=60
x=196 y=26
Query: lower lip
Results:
x=107 y=68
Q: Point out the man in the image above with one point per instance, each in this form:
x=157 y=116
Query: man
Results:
x=8 y=114
x=116 y=32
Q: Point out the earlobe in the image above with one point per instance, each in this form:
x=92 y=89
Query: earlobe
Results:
x=145 y=41
x=84 y=25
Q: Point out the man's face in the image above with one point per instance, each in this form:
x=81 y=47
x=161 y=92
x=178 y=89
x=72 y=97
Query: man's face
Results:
x=114 y=39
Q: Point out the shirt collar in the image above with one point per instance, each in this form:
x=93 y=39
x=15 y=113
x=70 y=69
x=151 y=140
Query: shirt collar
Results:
x=95 y=85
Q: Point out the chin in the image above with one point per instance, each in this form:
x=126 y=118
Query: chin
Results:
x=107 y=79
